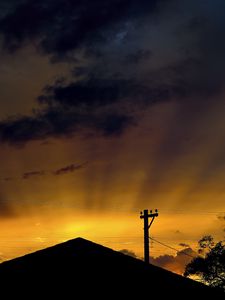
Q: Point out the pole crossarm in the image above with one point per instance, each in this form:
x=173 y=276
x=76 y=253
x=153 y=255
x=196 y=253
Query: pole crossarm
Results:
x=149 y=215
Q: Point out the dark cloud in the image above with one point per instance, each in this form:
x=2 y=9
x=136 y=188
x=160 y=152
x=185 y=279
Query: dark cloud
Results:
x=91 y=93
x=18 y=130
x=62 y=122
x=117 y=68
x=64 y=170
x=69 y=169
x=184 y=245
x=60 y=27
x=175 y=263
x=27 y=175
x=113 y=124
x=163 y=260
x=105 y=106
x=139 y=56
x=128 y=252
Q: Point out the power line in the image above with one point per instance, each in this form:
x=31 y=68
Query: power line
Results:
x=170 y=247
x=192 y=211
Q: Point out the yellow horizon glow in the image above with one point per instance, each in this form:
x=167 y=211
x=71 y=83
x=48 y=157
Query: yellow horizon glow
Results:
x=115 y=230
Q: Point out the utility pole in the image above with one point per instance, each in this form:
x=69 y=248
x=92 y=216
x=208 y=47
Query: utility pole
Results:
x=145 y=215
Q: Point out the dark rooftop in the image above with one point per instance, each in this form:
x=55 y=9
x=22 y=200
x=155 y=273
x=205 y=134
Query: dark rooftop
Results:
x=83 y=267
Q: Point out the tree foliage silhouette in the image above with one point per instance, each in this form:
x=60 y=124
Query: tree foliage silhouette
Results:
x=210 y=264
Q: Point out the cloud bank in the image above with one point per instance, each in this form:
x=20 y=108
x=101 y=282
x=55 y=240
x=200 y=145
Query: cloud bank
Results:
x=119 y=63
x=175 y=263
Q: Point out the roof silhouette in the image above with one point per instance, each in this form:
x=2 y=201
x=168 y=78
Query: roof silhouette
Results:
x=80 y=266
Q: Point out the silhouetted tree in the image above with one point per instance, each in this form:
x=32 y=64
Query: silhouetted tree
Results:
x=210 y=265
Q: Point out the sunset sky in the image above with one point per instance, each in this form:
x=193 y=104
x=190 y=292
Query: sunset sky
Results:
x=108 y=108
